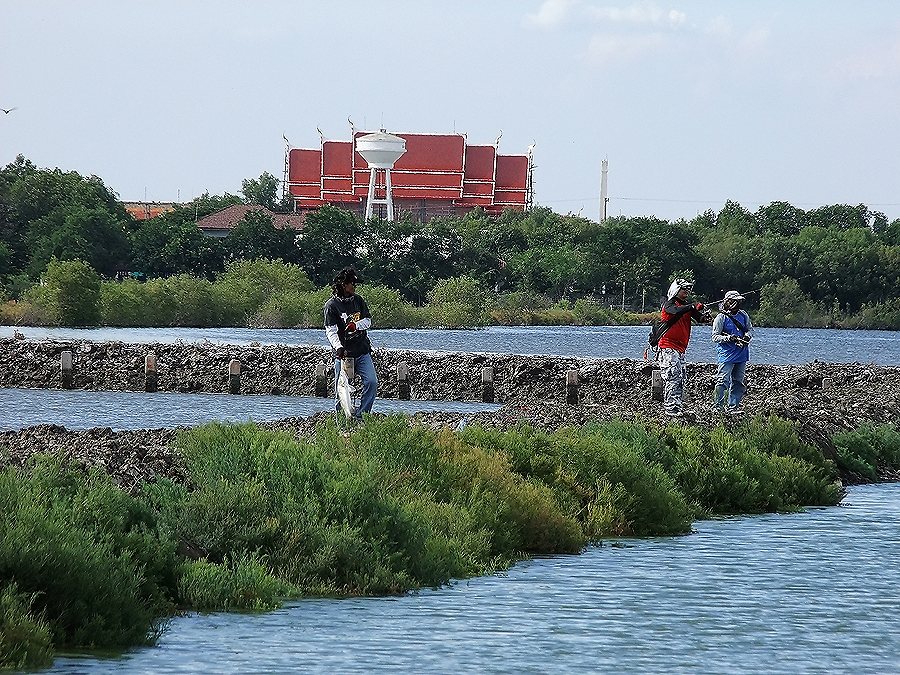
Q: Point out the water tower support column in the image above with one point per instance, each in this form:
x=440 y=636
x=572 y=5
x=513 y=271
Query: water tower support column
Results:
x=389 y=195
x=370 y=199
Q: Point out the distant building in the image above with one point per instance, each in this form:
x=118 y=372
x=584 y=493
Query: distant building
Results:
x=220 y=223
x=439 y=174
x=148 y=210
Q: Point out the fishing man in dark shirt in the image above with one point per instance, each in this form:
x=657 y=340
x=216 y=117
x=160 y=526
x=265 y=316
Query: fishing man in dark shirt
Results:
x=347 y=321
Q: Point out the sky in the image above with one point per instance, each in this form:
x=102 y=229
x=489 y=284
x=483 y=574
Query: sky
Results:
x=692 y=102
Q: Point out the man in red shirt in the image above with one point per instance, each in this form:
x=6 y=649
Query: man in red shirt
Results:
x=674 y=342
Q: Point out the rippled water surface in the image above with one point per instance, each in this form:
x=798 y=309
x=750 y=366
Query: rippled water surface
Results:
x=771 y=345
x=138 y=410
x=811 y=592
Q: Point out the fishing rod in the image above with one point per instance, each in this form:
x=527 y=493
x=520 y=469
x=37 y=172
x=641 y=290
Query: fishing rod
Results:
x=715 y=303
x=719 y=302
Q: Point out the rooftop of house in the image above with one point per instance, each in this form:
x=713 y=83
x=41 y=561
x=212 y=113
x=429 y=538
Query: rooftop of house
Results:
x=229 y=217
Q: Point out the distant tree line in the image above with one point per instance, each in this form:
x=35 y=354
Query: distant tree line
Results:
x=832 y=266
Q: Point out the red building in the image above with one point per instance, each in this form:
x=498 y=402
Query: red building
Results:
x=440 y=174
x=148 y=210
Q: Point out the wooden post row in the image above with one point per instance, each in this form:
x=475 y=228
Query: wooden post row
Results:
x=403 y=381
x=234 y=377
x=65 y=365
x=150 y=374
x=321 y=380
x=656 y=385
x=572 y=387
x=487 y=384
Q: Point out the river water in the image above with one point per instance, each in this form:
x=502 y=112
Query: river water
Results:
x=120 y=410
x=770 y=345
x=816 y=591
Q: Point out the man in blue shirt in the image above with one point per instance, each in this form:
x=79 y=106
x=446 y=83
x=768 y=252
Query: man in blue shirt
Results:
x=732 y=332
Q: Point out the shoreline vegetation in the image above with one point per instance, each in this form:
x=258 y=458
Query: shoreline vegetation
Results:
x=65 y=240
x=275 y=294
x=251 y=516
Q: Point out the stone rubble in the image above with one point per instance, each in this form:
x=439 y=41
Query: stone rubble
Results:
x=821 y=398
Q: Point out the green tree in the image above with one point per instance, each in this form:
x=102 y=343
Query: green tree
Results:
x=255 y=236
x=247 y=284
x=890 y=235
x=162 y=247
x=50 y=213
x=262 y=190
x=329 y=241
x=70 y=291
x=93 y=235
x=780 y=218
x=785 y=304
x=457 y=302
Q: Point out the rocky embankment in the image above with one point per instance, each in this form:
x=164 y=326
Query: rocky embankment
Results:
x=821 y=398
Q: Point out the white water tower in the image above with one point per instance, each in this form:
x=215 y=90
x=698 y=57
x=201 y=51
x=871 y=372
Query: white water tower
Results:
x=380 y=150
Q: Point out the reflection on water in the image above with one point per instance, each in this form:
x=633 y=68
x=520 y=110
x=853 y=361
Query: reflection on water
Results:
x=771 y=345
x=138 y=410
x=810 y=592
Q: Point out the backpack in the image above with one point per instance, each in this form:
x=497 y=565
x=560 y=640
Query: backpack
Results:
x=658 y=329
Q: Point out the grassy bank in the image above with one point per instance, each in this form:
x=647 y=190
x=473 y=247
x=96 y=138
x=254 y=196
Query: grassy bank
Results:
x=264 y=516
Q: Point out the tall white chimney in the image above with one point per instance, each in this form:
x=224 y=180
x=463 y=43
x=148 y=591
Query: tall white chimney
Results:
x=603 y=192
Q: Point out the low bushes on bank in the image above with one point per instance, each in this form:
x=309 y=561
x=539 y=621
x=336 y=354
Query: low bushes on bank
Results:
x=262 y=515
x=868 y=451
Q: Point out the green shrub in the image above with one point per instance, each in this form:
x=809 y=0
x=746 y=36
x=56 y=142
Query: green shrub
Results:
x=288 y=309
x=69 y=292
x=397 y=508
x=597 y=475
x=868 y=450
x=24 y=638
x=246 y=284
x=388 y=308
x=240 y=582
x=593 y=313
x=458 y=302
x=88 y=552
x=723 y=472
x=182 y=300
x=124 y=304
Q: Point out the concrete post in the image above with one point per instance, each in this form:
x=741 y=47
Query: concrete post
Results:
x=487 y=384
x=827 y=383
x=65 y=365
x=150 y=374
x=321 y=380
x=234 y=376
x=403 y=381
x=656 y=385
x=572 y=387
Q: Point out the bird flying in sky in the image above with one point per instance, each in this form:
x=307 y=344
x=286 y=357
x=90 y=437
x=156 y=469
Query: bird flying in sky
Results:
x=7 y=111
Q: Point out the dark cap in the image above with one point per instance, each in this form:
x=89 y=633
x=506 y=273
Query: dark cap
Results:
x=348 y=275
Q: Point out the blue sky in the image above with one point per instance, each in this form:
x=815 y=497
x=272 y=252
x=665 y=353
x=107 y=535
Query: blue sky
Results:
x=692 y=102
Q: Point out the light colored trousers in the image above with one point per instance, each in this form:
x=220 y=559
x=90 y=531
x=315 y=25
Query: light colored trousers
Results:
x=671 y=363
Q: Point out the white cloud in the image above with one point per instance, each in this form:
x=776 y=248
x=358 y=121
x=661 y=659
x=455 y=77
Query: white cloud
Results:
x=551 y=13
x=638 y=13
